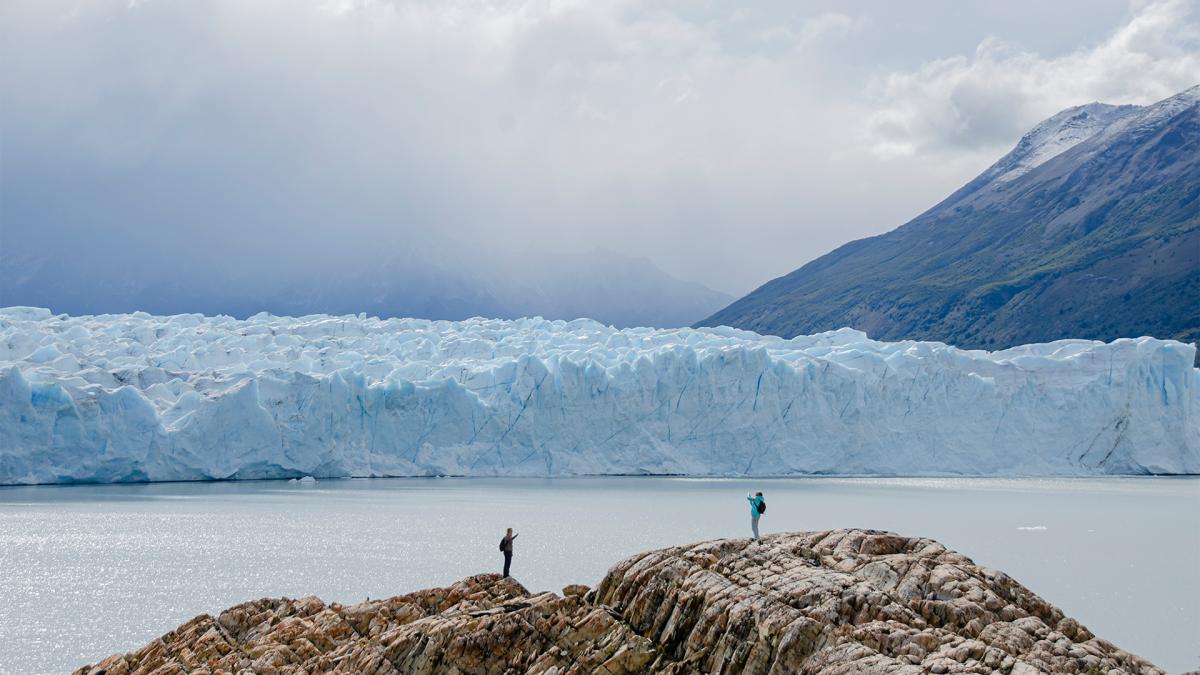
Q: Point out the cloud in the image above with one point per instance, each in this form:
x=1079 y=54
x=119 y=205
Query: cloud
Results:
x=991 y=97
x=810 y=32
x=725 y=145
x=829 y=24
x=308 y=127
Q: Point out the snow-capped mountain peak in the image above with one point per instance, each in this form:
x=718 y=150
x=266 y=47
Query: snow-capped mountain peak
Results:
x=1056 y=135
x=1149 y=117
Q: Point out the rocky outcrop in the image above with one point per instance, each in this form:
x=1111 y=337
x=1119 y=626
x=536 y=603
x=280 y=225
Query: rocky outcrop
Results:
x=874 y=602
x=843 y=601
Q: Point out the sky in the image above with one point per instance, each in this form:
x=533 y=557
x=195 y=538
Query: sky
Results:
x=729 y=143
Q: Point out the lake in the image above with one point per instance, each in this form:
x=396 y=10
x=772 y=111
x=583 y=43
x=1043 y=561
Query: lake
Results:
x=86 y=571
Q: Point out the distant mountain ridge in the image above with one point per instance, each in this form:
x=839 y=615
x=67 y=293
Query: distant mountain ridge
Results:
x=1088 y=228
x=435 y=278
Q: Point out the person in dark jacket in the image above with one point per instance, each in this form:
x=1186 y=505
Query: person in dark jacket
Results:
x=506 y=548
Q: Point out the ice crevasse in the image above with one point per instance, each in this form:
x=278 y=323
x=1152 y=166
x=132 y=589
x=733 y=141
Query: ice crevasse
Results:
x=136 y=397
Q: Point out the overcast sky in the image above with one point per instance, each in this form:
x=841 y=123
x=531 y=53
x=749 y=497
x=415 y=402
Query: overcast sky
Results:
x=729 y=145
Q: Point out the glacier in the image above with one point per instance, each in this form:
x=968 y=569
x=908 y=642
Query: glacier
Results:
x=136 y=397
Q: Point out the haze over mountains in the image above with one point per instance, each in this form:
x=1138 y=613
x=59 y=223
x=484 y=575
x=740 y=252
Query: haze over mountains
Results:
x=1089 y=228
x=431 y=278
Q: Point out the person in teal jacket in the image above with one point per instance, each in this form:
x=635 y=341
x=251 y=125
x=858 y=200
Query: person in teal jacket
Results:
x=756 y=510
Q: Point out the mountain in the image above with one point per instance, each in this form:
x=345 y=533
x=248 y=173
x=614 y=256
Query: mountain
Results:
x=1089 y=228
x=435 y=278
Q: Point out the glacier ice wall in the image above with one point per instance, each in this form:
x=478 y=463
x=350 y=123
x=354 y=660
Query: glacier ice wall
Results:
x=138 y=397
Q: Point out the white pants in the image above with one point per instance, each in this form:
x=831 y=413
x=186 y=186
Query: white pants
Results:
x=754 y=526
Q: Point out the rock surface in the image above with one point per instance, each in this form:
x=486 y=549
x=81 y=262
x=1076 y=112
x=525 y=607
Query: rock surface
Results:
x=873 y=602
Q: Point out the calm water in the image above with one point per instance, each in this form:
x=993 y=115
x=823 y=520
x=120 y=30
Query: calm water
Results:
x=91 y=570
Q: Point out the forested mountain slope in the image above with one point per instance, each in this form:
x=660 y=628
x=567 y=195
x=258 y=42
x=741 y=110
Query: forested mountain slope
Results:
x=1089 y=228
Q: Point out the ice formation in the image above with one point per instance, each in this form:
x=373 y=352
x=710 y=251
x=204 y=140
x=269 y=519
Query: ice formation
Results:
x=138 y=397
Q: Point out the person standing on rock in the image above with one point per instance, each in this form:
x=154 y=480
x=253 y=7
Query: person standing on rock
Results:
x=506 y=549
x=758 y=506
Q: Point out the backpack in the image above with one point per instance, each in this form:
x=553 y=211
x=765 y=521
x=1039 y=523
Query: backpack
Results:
x=762 y=506
x=502 y=543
